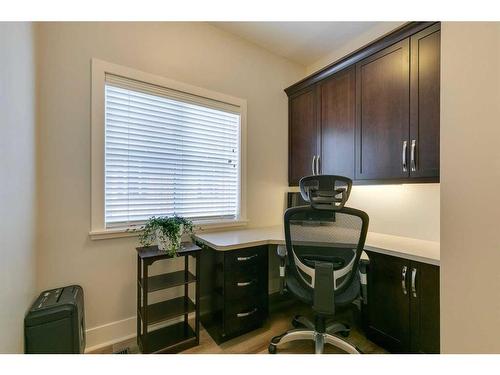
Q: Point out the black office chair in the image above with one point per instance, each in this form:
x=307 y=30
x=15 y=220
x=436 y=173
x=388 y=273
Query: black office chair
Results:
x=324 y=242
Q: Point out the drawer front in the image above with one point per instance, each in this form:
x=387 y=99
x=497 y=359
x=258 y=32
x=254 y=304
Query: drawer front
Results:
x=243 y=317
x=244 y=286
x=244 y=260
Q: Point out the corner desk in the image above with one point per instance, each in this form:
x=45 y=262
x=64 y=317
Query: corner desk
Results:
x=403 y=274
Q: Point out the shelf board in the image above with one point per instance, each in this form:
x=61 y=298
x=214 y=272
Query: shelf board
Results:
x=152 y=252
x=169 y=309
x=168 y=280
x=169 y=338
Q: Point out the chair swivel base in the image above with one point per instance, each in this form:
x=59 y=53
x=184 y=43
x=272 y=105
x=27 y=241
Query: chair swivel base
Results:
x=320 y=338
x=300 y=321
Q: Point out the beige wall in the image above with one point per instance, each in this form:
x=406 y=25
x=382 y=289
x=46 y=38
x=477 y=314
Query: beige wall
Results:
x=198 y=54
x=17 y=187
x=470 y=185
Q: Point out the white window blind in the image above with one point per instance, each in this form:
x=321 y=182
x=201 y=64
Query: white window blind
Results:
x=168 y=152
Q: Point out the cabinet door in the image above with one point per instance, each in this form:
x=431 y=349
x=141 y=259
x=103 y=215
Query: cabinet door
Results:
x=388 y=321
x=424 y=102
x=338 y=110
x=302 y=135
x=424 y=305
x=382 y=114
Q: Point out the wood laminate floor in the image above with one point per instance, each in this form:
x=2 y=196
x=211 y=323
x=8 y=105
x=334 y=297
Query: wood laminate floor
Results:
x=257 y=341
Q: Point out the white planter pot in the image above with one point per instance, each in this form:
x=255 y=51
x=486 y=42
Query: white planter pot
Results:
x=164 y=243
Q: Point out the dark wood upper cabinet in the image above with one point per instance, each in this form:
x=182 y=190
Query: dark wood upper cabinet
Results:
x=302 y=135
x=372 y=115
x=424 y=102
x=338 y=105
x=382 y=106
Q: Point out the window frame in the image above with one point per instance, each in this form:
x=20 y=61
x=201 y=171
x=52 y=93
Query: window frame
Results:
x=99 y=69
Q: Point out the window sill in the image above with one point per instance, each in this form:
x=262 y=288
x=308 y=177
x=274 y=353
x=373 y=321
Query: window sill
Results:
x=123 y=232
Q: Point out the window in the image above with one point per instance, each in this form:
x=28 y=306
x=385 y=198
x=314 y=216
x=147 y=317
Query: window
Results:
x=167 y=148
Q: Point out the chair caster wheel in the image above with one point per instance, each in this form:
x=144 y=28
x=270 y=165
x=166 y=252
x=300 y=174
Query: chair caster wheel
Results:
x=271 y=349
x=296 y=322
x=345 y=333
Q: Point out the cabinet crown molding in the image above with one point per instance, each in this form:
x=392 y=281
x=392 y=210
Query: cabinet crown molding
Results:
x=379 y=44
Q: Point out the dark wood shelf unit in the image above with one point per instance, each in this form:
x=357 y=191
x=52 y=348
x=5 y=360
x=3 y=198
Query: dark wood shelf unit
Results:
x=178 y=335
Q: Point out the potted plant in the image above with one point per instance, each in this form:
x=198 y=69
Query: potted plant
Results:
x=166 y=232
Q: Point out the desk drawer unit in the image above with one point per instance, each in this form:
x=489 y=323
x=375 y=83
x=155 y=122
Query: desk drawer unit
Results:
x=238 y=292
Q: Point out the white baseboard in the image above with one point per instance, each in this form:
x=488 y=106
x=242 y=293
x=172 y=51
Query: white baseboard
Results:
x=119 y=331
x=110 y=333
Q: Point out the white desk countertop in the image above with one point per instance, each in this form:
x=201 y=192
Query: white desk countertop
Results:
x=403 y=247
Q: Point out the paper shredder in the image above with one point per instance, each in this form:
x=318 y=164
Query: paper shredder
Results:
x=55 y=322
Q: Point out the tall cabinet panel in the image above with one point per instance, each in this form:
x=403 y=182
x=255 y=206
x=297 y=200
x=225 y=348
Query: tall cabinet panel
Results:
x=303 y=135
x=424 y=103
x=338 y=110
x=424 y=308
x=382 y=124
x=389 y=302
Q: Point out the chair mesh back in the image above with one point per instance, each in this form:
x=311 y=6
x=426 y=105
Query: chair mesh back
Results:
x=326 y=236
x=338 y=230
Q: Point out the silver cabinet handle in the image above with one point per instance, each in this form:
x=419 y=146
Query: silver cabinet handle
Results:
x=403 y=280
x=246 y=283
x=313 y=166
x=317 y=165
x=403 y=156
x=413 y=164
x=242 y=315
x=413 y=286
x=244 y=259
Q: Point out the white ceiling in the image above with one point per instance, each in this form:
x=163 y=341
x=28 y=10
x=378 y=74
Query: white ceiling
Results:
x=302 y=42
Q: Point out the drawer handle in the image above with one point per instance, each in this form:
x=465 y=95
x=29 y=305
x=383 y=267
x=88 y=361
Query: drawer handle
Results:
x=413 y=164
x=244 y=259
x=248 y=313
x=413 y=286
x=403 y=156
x=245 y=283
x=403 y=279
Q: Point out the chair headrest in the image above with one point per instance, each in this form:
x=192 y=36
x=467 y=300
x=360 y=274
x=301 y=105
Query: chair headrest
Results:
x=326 y=192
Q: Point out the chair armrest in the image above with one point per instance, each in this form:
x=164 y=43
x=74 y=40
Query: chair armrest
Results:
x=363 y=277
x=281 y=250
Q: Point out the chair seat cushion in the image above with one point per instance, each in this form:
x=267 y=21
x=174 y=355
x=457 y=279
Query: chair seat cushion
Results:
x=306 y=295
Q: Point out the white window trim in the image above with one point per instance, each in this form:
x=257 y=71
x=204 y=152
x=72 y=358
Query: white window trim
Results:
x=100 y=68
